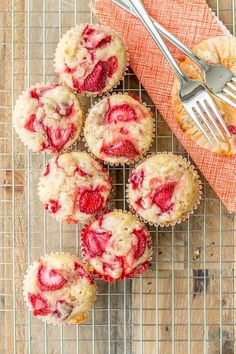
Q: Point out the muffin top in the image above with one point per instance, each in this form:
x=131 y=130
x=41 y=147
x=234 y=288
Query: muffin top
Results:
x=116 y=245
x=74 y=187
x=91 y=59
x=163 y=189
x=59 y=289
x=119 y=129
x=218 y=50
x=48 y=118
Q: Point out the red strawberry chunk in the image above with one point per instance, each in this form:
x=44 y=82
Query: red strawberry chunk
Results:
x=163 y=195
x=50 y=279
x=33 y=94
x=64 y=109
x=63 y=309
x=81 y=172
x=232 y=129
x=96 y=80
x=120 y=113
x=47 y=170
x=90 y=202
x=39 y=305
x=136 y=179
x=52 y=206
x=29 y=125
x=95 y=242
x=112 y=65
x=69 y=70
x=141 y=235
x=123 y=148
x=139 y=202
x=58 y=137
x=82 y=273
x=93 y=39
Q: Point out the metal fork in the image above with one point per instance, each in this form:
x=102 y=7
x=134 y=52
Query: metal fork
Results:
x=218 y=79
x=192 y=93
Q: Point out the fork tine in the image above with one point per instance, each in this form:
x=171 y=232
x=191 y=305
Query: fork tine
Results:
x=199 y=125
x=214 y=108
x=211 y=118
x=201 y=114
x=226 y=99
x=230 y=93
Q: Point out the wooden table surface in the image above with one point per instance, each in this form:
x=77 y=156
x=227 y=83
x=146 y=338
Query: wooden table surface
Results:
x=191 y=279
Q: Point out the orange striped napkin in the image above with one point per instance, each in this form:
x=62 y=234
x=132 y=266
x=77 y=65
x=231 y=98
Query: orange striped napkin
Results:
x=191 y=22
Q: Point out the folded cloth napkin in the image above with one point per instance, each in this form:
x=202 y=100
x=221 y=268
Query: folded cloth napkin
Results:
x=191 y=22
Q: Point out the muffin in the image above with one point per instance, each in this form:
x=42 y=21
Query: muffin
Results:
x=48 y=118
x=219 y=50
x=164 y=189
x=90 y=59
x=119 y=129
x=116 y=246
x=58 y=288
x=74 y=187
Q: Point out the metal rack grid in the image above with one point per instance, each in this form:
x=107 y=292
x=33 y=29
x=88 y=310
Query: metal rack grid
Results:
x=185 y=302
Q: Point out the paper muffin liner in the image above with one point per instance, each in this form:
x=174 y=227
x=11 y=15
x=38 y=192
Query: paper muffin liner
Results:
x=25 y=294
x=137 y=271
x=126 y=68
x=127 y=163
x=183 y=217
x=108 y=201
x=78 y=138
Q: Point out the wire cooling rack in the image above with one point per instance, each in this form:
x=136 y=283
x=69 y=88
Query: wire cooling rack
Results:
x=185 y=302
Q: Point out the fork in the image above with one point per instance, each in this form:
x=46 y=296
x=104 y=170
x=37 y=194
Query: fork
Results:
x=218 y=79
x=192 y=93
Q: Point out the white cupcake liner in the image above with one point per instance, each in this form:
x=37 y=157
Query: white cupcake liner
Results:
x=38 y=85
x=185 y=216
x=139 y=270
x=126 y=68
x=25 y=294
x=108 y=201
x=127 y=163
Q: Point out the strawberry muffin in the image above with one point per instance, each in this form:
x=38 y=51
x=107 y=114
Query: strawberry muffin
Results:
x=58 y=288
x=119 y=129
x=116 y=245
x=48 y=118
x=218 y=50
x=164 y=189
x=90 y=59
x=74 y=187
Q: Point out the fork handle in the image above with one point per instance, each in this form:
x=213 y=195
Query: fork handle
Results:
x=168 y=35
x=138 y=8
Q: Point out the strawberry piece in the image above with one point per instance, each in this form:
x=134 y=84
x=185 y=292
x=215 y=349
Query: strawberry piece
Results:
x=82 y=273
x=120 y=113
x=124 y=131
x=39 y=305
x=141 y=235
x=90 y=202
x=47 y=170
x=33 y=94
x=139 y=202
x=52 y=206
x=95 y=242
x=96 y=80
x=135 y=97
x=103 y=42
x=93 y=39
x=69 y=70
x=64 y=109
x=112 y=65
x=136 y=179
x=58 y=137
x=123 y=148
x=163 y=195
x=29 y=125
x=81 y=172
x=232 y=129
x=63 y=309
x=50 y=279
